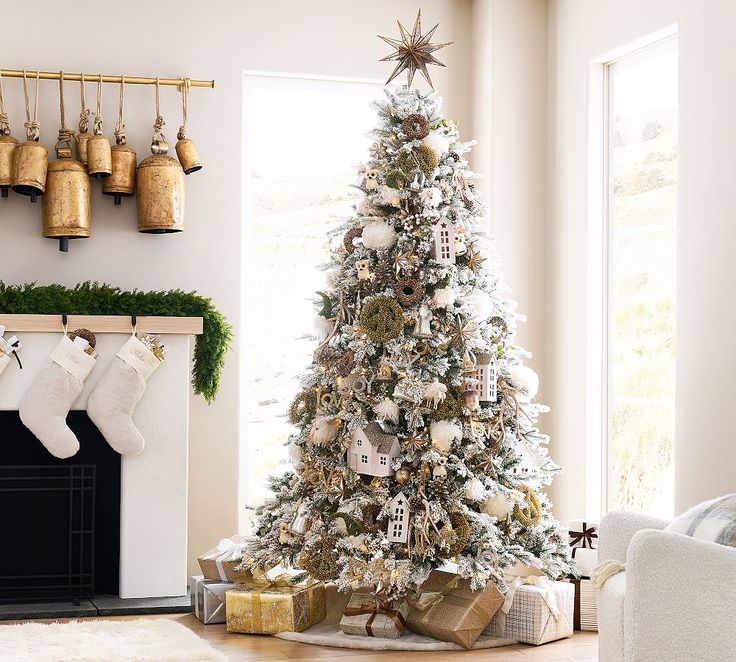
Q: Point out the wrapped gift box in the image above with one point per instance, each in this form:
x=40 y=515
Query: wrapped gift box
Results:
x=449 y=610
x=208 y=599
x=367 y=616
x=583 y=534
x=536 y=610
x=585 y=559
x=270 y=606
x=586 y=605
x=219 y=563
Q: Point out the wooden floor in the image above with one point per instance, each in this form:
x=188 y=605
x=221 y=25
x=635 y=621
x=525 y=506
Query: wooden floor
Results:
x=583 y=647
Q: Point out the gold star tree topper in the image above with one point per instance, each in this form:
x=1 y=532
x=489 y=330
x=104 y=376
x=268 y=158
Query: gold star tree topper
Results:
x=413 y=51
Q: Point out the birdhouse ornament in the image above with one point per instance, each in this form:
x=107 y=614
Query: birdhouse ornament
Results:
x=398 y=519
x=443 y=246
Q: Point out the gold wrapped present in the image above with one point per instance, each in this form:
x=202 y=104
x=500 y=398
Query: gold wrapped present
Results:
x=449 y=610
x=269 y=606
x=219 y=563
x=367 y=615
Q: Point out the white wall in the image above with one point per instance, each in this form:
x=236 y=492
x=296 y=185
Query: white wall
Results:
x=201 y=40
x=580 y=32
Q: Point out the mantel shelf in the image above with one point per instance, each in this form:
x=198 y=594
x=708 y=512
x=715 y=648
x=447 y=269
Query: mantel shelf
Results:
x=190 y=326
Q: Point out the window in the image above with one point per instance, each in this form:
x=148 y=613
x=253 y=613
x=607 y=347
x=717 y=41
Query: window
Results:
x=383 y=460
x=641 y=226
x=303 y=139
x=397 y=528
x=360 y=442
x=364 y=459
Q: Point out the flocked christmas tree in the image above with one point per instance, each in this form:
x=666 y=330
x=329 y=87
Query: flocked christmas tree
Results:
x=416 y=439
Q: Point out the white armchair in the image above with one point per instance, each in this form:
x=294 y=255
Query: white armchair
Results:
x=676 y=601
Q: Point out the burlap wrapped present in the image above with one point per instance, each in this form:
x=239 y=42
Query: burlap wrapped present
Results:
x=219 y=563
x=449 y=610
x=536 y=610
x=367 y=615
x=263 y=605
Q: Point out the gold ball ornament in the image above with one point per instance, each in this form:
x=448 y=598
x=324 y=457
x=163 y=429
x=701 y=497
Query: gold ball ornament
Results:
x=402 y=476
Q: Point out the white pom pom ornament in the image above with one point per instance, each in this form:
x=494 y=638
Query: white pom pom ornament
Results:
x=479 y=303
x=324 y=430
x=295 y=453
x=498 y=506
x=443 y=433
x=323 y=327
x=474 y=490
x=525 y=380
x=438 y=141
x=378 y=235
x=387 y=410
x=443 y=297
x=431 y=197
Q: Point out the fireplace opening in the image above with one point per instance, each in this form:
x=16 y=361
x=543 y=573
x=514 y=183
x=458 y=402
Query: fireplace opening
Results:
x=60 y=518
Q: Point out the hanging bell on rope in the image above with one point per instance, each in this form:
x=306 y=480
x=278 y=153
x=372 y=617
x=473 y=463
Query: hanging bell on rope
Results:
x=84 y=135
x=160 y=185
x=66 y=204
x=99 y=155
x=186 y=150
x=30 y=158
x=122 y=181
x=7 y=147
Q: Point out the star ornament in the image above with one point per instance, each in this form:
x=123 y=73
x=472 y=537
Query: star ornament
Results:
x=413 y=51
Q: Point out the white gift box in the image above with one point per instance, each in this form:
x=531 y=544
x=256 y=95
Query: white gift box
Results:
x=536 y=611
x=583 y=533
x=208 y=599
x=585 y=559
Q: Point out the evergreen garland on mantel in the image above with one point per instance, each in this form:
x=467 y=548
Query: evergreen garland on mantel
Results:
x=96 y=299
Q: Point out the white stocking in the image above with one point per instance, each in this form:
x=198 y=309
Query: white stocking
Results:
x=115 y=396
x=45 y=405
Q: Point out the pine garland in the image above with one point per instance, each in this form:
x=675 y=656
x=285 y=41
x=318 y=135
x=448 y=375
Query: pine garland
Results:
x=101 y=299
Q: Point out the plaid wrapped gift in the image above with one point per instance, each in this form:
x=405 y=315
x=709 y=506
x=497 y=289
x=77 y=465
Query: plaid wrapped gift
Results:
x=536 y=610
x=586 y=605
x=269 y=606
x=583 y=534
x=449 y=610
x=208 y=599
x=219 y=563
x=367 y=615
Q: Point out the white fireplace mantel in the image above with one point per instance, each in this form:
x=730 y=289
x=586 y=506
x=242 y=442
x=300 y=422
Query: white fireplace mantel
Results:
x=153 y=508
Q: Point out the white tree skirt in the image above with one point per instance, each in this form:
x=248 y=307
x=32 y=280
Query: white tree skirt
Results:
x=328 y=633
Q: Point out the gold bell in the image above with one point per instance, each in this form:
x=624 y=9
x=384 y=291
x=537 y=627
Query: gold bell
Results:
x=83 y=135
x=122 y=181
x=30 y=158
x=186 y=151
x=66 y=205
x=160 y=191
x=7 y=148
x=99 y=155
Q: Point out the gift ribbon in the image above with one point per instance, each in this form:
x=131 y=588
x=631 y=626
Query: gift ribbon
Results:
x=11 y=347
x=429 y=601
x=546 y=589
x=585 y=536
x=373 y=608
x=226 y=550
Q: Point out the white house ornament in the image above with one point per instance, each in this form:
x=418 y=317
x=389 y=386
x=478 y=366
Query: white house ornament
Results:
x=398 y=519
x=486 y=372
x=372 y=451
x=443 y=245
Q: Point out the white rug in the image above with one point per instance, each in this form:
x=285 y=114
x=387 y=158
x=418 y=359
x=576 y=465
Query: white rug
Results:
x=328 y=633
x=141 y=640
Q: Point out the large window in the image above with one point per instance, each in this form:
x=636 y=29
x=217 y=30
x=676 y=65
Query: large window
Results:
x=303 y=141
x=640 y=273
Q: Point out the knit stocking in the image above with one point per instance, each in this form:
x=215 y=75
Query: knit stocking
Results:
x=45 y=405
x=115 y=396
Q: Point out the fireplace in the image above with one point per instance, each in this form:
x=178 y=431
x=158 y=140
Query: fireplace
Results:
x=61 y=517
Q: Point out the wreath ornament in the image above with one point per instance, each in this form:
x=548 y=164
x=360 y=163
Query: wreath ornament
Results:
x=382 y=319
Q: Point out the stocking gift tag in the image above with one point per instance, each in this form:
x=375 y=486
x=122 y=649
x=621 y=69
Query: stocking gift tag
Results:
x=115 y=397
x=45 y=405
x=8 y=348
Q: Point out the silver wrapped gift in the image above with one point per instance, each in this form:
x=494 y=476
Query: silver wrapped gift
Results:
x=208 y=599
x=369 y=617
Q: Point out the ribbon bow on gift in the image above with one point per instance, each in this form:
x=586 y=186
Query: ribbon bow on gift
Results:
x=226 y=550
x=430 y=600
x=583 y=538
x=546 y=589
x=372 y=605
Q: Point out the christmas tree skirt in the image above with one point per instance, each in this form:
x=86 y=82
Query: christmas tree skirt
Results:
x=328 y=633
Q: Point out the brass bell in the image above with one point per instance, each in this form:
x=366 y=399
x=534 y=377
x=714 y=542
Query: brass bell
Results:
x=66 y=204
x=82 y=141
x=186 y=150
x=30 y=158
x=83 y=135
x=99 y=155
x=160 y=187
x=7 y=147
x=122 y=181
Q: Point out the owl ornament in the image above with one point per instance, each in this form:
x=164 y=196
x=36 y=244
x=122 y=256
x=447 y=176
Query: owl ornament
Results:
x=286 y=537
x=363 y=269
x=370 y=179
x=440 y=468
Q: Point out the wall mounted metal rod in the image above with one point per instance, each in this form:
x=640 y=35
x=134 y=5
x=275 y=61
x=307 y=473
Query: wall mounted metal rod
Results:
x=93 y=78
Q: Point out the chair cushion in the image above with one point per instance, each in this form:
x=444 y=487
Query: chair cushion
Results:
x=611 y=619
x=713 y=521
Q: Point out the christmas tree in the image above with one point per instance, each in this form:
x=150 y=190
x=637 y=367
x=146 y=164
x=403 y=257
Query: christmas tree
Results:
x=416 y=441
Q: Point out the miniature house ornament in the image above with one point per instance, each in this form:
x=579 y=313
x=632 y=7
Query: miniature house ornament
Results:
x=398 y=520
x=371 y=451
x=487 y=375
x=443 y=248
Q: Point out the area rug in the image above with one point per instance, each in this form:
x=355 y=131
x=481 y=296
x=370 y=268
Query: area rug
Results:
x=140 y=640
x=328 y=633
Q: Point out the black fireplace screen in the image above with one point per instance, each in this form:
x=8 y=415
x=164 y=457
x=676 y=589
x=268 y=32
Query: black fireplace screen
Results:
x=62 y=502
